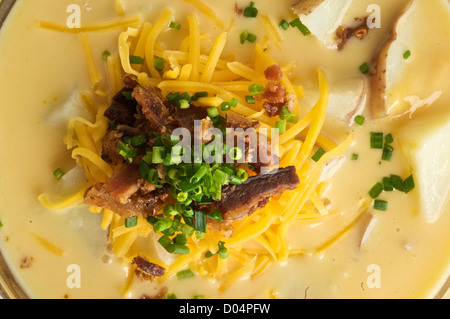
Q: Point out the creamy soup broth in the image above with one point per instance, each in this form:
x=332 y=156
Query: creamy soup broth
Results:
x=39 y=71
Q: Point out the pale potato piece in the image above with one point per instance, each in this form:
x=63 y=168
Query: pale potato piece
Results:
x=322 y=17
x=348 y=98
x=397 y=83
x=426 y=143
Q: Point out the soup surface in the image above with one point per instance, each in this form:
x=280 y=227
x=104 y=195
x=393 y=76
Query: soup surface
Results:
x=396 y=253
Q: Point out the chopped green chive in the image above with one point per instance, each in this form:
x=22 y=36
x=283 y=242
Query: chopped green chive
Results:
x=199 y=297
x=174 y=25
x=105 y=55
x=58 y=173
x=376 y=190
x=256 y=89
x=158 y=63
x=297 y=23
x=281 y=126
x=136 y=59
x=250 y=99
x=406 y=55
x=284 y=24
x=225 y=106
x=387 y=152
x=318 y=154
x=388 y=139
x=376 y=140
x=213 y=112
x=246 y=36
x=397 y=183
x=171 y=296
x=200 y=221
x=184 y=274
x=285 y=114
x=359 y=119
x=364 y=68
x=251 y=11
x=380 y=205
x=387 y=185
x=251 y=37
x=355 y=156
x=131 y=222
x=409 y=184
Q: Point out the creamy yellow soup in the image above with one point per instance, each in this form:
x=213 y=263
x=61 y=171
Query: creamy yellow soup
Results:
x=395 y=253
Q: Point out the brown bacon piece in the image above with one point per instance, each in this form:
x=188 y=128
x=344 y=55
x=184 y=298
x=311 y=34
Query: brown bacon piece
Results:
x=146 y=269
x=273 y=73
x=244 y=199
x=127 y=194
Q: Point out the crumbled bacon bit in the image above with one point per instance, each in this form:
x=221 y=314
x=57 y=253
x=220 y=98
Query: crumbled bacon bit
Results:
x=273 y=73
x=238 y=10
x=146 y=269
x=343 y=34
x=160 y=295
x=273 y=109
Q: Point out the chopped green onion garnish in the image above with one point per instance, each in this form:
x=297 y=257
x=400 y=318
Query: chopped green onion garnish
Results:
x=355 y=157
x=174 y=25
x=387 y=184
x=158 y=154
x=158 y=63
x=225 y=106
x=284 y=24
x=387 y=152
x=256 y=89
x=397 y=183
x=243 y=36
x=409 y=184
x=184 y=104
x=359 y=119
x=318 y=154
x=406 y=55
x=285 y=114
x=376 y=140
x=136 y=59
x=251 y=11
x=213 y=112
x=376 y=190
x=389 y=138
x=297 y=23
x=215 y=214
x=281 y=126
x=242 y=174
x=185 y=274
x=162 y=225
x=199 y=297
x=380 y=205
x=234 y=102
x=105 y=55
x=251 y=37
x=200 y=221
x=178 y=249
x=223 y=251
x=171 y=296
x=235 y=153
x=250 y=99
x=364 y=68
x=58 y=173
x=131 y=221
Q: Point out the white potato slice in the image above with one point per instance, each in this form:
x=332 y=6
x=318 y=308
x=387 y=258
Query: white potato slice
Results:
x=348 y=98
x=72 y=106
x=322 y=18
x=425 y=141
x=397 y=83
